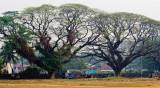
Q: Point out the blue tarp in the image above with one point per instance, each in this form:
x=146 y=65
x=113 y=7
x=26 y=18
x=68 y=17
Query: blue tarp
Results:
x=90 y=72
x=70 y=76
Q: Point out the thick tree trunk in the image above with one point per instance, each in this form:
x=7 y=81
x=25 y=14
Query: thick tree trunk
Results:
x=52 y=75
x=22 y=64
x=118 y=72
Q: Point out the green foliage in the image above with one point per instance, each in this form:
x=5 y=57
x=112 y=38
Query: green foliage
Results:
x=7 y=53
x=42 y=9
x=10 y=29
x=111 y=72
x=31 y=70
x=10 y=13
x=74 y=71
x=76 y=63
x=49 y=62
x=136 y=64
x=74 y=8
x=1 y=64
x=144 y=63
x=68 y=19
x=66 y=22
x=148 y=72
x=132 y=71
x=150 y=64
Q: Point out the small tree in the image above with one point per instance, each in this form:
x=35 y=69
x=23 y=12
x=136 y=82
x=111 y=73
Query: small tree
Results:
x=12 y=34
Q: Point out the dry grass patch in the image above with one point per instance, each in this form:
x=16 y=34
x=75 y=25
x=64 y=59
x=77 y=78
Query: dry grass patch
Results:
x=112 y=82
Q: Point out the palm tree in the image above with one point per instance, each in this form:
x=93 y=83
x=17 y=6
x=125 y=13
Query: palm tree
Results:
x=8 y=55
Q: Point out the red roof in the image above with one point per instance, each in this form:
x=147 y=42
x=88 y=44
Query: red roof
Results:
x=106 y=67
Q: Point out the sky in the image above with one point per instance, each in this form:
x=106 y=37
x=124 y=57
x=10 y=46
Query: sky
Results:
x=149 y=8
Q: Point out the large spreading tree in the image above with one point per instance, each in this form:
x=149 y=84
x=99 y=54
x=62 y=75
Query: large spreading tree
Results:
x=124 y=37
x=57 y=34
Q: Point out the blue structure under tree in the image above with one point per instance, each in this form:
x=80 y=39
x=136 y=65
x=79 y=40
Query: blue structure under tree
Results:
x=90 y=72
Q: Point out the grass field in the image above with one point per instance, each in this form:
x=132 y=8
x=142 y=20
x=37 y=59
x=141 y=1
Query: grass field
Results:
x=83 y=83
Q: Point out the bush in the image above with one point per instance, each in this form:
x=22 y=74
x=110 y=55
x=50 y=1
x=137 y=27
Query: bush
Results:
x=74 y=71
x=31 y=70
x=148 y=72
x=111 y=72
x=1 y=65
x=132 y=71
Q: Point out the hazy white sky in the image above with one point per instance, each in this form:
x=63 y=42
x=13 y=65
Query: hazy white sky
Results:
x=149 y=8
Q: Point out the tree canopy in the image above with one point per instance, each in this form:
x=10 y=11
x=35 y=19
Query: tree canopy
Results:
x=58 y=34
x=124 y=37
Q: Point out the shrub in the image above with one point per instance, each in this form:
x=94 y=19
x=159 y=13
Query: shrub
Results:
x=74 y=71
x=31 y=70
x=148 y=72
x=132 y=71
